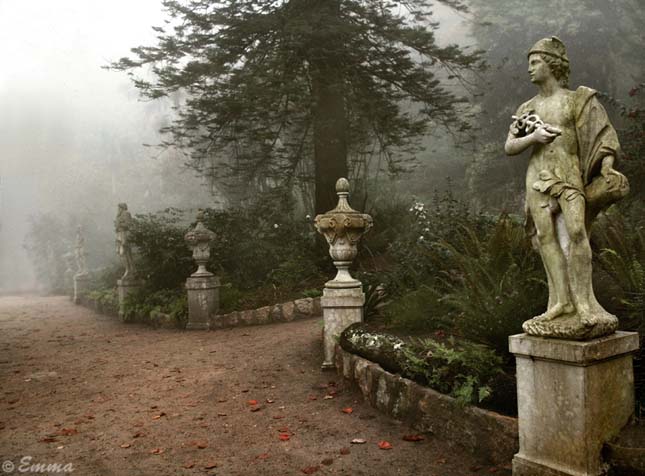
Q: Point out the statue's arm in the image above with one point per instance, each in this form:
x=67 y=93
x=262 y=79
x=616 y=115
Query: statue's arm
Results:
x=542 y=135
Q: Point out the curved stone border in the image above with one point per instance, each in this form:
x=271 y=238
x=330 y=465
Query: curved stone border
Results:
x=471 y=428
x=284 y=312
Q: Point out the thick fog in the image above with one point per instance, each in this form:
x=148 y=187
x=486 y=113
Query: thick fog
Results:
x=71 y=133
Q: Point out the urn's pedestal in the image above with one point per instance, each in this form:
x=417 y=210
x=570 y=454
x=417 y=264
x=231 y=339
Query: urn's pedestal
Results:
x=203 y=300
x=125 y=287
x=81 y=282
x=573 y=396
x=342 y=307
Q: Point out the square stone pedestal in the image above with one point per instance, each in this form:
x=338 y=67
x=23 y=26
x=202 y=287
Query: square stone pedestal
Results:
x=203 y=300
x=572 y=396
x=125 y=287
x=81 y=282
x=341 y=308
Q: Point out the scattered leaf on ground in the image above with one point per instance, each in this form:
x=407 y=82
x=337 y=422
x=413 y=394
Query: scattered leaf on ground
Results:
x=413 y=438
x=270 y=401
x=385 y=445
x=278 y=417
x=310 y=469
x=313 y=397
x=210 y=465
x=156 y=451
x=126 y=445
x=328 y=397
x=48 y=440
x=138 y=434
x=358 y=441
x=67 y=431
x=252 y=402
x=284 y=437
x=189 y=465
x=263 y=456
x=348 y=410
x=257 y=408
x=328 y=461
x=344 y=451
x=156 y=417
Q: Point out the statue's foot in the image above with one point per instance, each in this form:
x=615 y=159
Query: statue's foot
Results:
x=554 y=311
x=590 y=318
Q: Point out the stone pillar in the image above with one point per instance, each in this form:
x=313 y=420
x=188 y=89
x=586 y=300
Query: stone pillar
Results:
x=573 y=396
x=81 y=282
x=125 y=287
x=343 y=298
x=202 y=286
x=203 y=300
x=341 y=308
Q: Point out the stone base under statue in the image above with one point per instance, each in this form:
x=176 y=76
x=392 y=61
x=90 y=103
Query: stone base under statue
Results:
x=125 y=287
x=569 y=326
x=81 y=282
x=203 y=300
x=341 y=308
x=572 y=398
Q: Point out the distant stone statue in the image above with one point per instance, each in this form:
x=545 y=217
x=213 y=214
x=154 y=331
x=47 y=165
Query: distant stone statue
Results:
x=79 y=253
x=570 y=178
x=123 y=224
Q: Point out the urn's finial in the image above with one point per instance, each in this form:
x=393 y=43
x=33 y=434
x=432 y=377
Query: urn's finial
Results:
x=342 y=186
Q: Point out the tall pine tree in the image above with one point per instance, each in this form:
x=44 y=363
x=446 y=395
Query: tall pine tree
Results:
x=276 y=91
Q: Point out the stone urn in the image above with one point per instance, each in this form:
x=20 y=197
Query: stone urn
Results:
x=199 y=239
x=343 y=228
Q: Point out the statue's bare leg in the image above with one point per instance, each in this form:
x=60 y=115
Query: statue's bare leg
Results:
x=579 y=259
x=553 y=258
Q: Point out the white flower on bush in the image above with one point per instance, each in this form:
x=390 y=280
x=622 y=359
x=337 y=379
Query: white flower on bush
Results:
x=276 y=226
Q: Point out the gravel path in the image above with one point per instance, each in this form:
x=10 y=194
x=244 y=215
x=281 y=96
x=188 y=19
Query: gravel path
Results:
x=114 y=399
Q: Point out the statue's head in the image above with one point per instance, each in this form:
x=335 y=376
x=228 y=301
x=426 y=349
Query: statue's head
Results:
x=554 y=53
x=123 y=206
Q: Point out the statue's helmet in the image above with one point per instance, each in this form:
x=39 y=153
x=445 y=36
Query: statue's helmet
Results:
x=550 y=46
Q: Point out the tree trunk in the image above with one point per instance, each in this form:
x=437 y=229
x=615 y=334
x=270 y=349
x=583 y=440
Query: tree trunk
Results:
x=328 y=107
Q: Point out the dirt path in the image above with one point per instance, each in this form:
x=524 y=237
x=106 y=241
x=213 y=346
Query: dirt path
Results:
x=114 y=399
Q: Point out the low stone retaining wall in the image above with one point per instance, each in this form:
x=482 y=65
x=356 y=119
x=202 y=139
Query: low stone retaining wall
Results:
x=473 y=429
x=284 y=312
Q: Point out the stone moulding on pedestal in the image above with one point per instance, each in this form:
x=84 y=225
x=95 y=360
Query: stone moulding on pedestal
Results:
x=343 y=298
x=202 y=286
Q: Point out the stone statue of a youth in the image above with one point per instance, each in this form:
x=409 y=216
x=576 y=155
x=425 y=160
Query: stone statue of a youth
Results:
x=570 y=178
x=122 y=224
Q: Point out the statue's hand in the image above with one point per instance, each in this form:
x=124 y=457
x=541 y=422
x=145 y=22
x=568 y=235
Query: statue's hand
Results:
x=610 y=174
x=545 y=134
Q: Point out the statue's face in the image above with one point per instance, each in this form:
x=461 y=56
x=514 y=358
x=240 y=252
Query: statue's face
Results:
x=539 y=70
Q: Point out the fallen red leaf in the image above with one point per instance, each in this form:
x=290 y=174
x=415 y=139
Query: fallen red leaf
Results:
x=413 y=438
x=156 y=417
x=493 y=470
x=278 y=417
x=126 y=445
x=385 y=445
x=313 y=397
x=284 y=437
x=257 y=408
x=210 y=465
x=189 y=465
x=310 y=469
x=157 y=451
x=252 y=402
x=67 y=431
x=138 y=434
x=344 y=451
x=199 y=444
x=263 y=456
x=348 y=410
x=48 y=440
